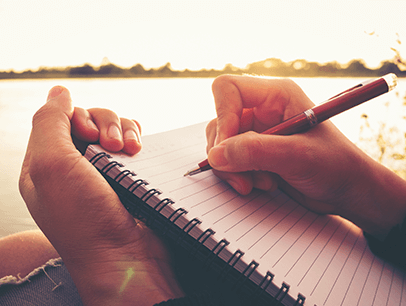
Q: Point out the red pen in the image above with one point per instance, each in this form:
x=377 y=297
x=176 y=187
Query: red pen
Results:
x=339 y=103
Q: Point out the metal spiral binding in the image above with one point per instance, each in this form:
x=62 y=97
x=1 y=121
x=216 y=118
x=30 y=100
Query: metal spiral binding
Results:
x=216 y=251
x=300 y=300
x=110 y=166
x=126 y=200
x=158 y=208
x=150 y=193
x=177 y=214
x=263 y=285
x=137 y=183
x=162 y=204
x=187 y=228
x=232 y=262
x=246 y=274
x=200 y=242
x=283 y=291
x=123 y=174
x=98 y=156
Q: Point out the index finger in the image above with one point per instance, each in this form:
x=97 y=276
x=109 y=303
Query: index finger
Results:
x=251 y=103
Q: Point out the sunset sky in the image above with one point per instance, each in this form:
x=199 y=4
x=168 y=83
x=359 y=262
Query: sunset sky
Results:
x=197 y=34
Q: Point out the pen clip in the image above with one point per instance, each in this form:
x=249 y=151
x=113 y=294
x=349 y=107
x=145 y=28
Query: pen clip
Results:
x=351 y=89
x=348 y=90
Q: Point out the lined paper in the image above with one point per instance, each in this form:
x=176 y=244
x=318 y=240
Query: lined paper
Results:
x=324 y=258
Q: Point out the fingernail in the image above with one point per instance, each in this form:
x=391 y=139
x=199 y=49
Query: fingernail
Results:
x=54 y=92
x=91 y=125
x=114 y=132
x=131 y=135
x=217 y=156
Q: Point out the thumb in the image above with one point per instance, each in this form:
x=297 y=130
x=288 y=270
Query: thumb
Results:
x=51 y=132
x=253 y=151
x=57 y=108
x=51 y=123
x=59 y=96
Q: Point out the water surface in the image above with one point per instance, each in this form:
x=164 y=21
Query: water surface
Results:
x=158 y=104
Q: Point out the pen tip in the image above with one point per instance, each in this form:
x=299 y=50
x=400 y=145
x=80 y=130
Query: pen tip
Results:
x=192 y=172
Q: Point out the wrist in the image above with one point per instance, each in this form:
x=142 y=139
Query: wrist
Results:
x=377 y=201
x=124 y=282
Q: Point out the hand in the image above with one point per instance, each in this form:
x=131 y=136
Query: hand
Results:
x=112 y=258
x=320 y=168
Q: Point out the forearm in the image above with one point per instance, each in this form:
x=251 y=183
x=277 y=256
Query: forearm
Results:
x=380 y=199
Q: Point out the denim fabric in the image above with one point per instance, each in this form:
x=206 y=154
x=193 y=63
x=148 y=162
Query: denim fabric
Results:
x=50 y=284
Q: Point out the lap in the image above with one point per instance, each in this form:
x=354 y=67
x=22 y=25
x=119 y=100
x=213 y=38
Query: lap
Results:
x=49 y=284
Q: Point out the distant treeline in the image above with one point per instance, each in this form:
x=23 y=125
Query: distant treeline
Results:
x=268 y=67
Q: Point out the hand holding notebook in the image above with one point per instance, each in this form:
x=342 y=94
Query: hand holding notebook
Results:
x=112 y=259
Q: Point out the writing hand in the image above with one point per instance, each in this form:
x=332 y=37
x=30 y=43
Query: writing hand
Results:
x=320 y=168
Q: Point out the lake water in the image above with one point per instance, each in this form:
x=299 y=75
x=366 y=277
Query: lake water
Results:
x=159 y=105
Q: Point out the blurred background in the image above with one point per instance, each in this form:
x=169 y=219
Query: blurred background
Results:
x=154 y=61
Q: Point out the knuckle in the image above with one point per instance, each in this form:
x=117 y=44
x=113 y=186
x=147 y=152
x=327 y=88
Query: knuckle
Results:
x=102 y=112
x=47 y=172
x=306 y=155
x=211 y=132
x=220 y=81
x=211 y=126
x=288 y=82
x=128 y=123
x=256 y=150
x=97 y=109
x=40 y=115
x=248 y=151
x=138 y=125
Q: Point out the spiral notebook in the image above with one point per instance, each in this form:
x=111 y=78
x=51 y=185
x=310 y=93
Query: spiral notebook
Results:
x=266 y=243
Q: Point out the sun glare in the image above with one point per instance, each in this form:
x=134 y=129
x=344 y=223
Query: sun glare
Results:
x=195 y=35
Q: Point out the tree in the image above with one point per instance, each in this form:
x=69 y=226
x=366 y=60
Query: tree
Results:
x=110 y=69
x=86 y=69
x=137 y=69
x=357 y=68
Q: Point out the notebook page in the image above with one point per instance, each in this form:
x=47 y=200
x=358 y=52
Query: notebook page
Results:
x=324 y=258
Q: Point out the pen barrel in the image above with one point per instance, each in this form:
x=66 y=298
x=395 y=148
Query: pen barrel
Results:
x=350 y=99
x=290 y=126
x=330 y=108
